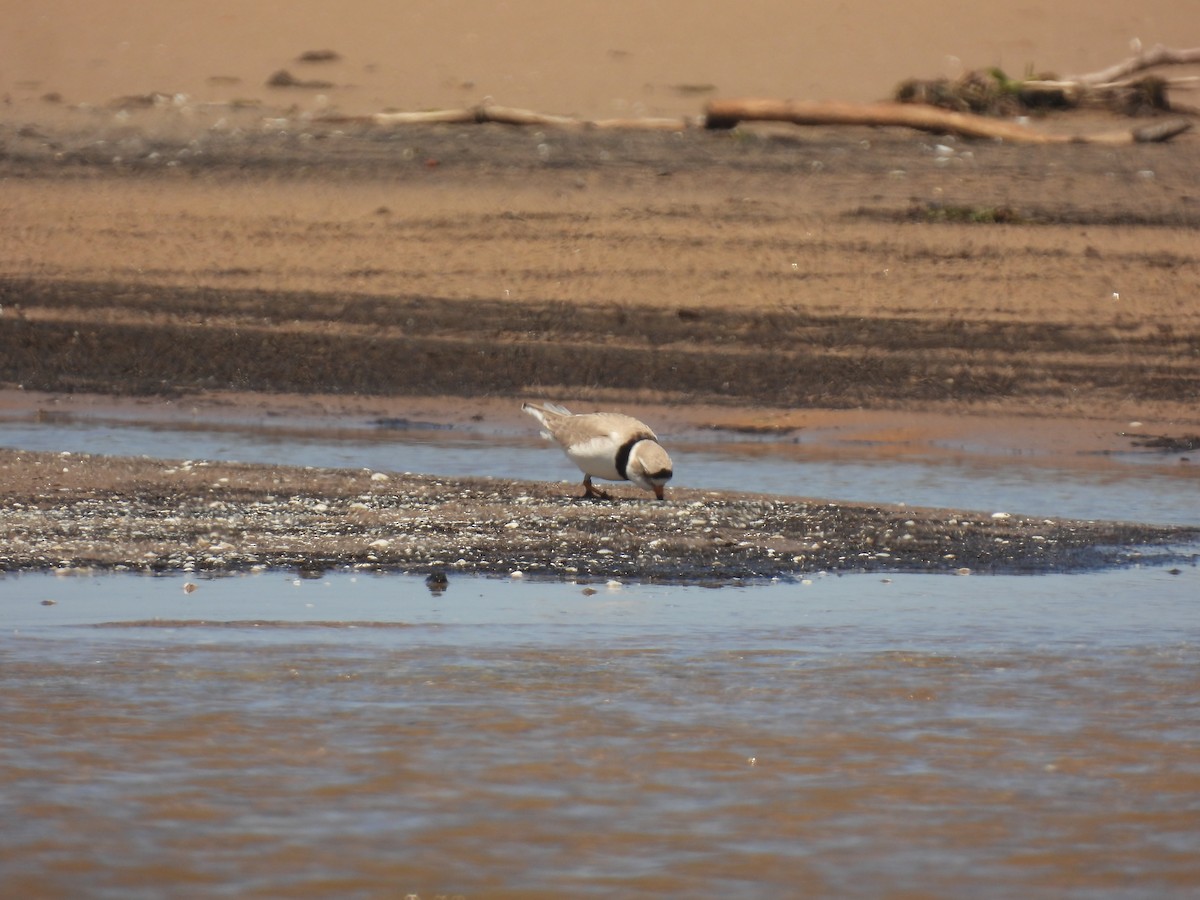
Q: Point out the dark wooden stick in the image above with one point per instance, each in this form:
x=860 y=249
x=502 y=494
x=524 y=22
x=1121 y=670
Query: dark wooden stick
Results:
x=727 y=114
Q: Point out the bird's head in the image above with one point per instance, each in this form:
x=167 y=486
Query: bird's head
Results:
x=649 y=466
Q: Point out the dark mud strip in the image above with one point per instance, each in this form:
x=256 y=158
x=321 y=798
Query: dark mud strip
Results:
x=121 y=338
x=121 y=514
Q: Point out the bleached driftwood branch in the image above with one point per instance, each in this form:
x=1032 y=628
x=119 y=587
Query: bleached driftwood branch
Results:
x=508 y=115
x=1158 y=55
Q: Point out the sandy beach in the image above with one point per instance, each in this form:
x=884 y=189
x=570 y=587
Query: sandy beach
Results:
x=880 y=357
x=185 y=236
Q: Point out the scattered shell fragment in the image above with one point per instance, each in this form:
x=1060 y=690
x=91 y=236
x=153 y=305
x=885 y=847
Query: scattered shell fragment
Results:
x=315 y=520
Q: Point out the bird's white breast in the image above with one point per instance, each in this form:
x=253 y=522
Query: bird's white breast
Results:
x=596 y=456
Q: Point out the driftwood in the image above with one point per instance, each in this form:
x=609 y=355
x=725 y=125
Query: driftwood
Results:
x=1158 y=55
x=922 y=116
x=1126 y=88
x=508 y=115
x=728 y=113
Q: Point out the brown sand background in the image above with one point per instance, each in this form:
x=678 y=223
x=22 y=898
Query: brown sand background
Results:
x=620 y=57
x=756 y=265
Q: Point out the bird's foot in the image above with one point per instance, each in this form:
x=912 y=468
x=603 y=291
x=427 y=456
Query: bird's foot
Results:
x=591 y=492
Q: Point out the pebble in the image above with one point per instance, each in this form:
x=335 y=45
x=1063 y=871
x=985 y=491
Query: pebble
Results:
x=297 y=519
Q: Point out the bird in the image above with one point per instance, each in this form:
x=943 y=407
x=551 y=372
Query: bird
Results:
x=606 y=445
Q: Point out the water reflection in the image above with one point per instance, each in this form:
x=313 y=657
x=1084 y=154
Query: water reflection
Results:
x=928 y=735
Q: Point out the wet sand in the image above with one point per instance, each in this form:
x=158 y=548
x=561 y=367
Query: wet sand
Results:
x=763 y=281
x=72 y=512
x=768 y=270
x=167 y=242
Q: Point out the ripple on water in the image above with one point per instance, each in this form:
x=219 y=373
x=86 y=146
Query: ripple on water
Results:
x=987 y=736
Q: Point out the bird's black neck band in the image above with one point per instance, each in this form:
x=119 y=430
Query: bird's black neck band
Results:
x=623 y=454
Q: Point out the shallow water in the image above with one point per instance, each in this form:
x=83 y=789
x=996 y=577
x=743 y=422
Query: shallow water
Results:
x=1144 y=487
x=851 y=736
x=361 y=736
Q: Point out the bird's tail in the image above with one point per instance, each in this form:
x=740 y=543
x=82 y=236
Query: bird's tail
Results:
x=541 y=411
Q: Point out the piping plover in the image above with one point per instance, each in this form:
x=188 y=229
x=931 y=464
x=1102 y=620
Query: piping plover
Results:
x=606 y=445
